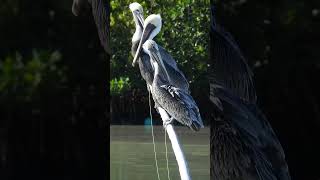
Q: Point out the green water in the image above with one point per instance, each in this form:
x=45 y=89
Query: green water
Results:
x=132 y=156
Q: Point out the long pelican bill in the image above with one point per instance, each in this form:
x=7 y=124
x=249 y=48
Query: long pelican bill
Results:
x=139 y=16
x=157 y=57
x=145 y=35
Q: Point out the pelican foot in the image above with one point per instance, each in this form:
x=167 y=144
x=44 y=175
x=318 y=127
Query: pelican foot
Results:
x=157 y=109
x=167 y=122
x=156 y=105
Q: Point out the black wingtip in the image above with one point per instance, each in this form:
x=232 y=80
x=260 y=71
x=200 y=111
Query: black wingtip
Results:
x=195 y=126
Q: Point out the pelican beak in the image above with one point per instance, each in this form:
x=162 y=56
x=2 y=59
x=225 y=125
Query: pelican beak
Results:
x=145 y=35
x=139 y=16
x=157 y=57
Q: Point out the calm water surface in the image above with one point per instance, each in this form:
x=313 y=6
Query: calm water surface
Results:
x=132 y=156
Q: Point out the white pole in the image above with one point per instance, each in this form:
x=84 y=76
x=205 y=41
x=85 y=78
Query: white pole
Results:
x=182 y=163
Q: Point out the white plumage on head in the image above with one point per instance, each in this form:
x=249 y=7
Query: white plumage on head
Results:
x=136 y=6
x=154 y=19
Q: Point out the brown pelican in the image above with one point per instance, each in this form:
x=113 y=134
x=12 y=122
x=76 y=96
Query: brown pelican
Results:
x=145 y=67
x=151 y=27
x=100 y=11
x=175 y=101
x=243 y=144
x=137 y=13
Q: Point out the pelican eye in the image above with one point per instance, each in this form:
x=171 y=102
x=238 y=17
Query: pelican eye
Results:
x=153 y=45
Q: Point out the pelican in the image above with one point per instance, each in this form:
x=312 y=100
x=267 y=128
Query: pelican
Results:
x=148 y=29
x=175 y=101
x=137 y=13
x=145 y=66
x=243 y=143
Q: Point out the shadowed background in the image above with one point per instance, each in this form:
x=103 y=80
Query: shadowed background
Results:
x=281 y=40
x=53 y=91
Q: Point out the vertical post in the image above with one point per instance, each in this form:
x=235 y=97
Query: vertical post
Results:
x=182 y=163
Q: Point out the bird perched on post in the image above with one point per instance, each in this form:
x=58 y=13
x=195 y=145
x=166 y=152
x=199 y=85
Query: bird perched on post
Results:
x=137 y=13
x=145 y=66
x=100 y=11
x=243 y=144
x=148 y=29
x=175 y=101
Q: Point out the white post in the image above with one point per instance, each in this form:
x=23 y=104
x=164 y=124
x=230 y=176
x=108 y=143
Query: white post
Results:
x=182 y=163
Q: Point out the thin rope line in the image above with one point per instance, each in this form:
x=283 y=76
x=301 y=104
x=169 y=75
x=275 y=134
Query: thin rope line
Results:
x=165 y=143
x=154 y=145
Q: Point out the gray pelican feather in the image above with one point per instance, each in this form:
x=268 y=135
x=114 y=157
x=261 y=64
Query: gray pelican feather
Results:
x=151 y=27
x=175 y=101
x=230 y=68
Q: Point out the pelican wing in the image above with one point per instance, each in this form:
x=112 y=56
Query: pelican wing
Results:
x=257 y=134
x=264 y=143
x=167 y=57
x=247 y=147
x=171 y=66
x=100 y=11
x=180 y=95
x=230 y=69
x=234 y=159
x=186 y=99
x=232 y=91
x=270 y=145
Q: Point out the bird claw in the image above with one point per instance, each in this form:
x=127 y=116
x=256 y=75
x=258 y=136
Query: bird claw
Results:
x=167 y=122
x=156 y=105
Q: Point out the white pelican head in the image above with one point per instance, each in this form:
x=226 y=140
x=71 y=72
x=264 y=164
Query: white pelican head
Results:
x=152 y=26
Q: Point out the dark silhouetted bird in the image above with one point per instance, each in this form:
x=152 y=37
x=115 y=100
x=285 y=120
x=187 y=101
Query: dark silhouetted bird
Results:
x=243 y=144
x=100 y=11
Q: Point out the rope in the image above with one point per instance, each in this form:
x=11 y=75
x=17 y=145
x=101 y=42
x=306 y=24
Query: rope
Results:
x=154 y=145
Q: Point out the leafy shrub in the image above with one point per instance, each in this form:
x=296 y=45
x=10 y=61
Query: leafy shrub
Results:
x=23 y=76
x=119 y=86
